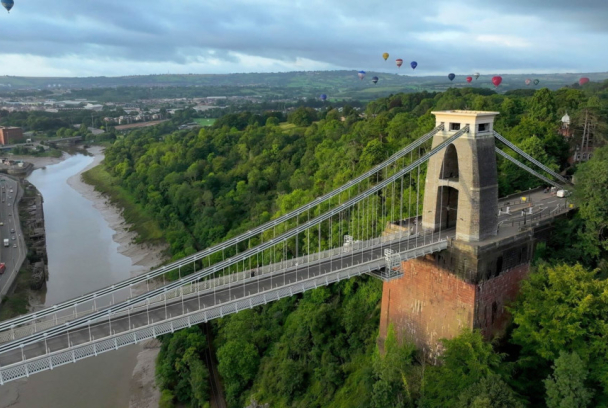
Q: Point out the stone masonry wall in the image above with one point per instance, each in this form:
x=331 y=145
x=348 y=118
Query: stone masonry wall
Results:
x=427 y=304
x=494 y=295
x=430 y=303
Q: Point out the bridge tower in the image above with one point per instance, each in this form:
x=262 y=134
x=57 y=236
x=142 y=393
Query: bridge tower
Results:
x=461 y=183
x=468 y=285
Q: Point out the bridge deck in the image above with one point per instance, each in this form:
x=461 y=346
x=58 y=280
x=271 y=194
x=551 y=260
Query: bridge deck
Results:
x=205 y=305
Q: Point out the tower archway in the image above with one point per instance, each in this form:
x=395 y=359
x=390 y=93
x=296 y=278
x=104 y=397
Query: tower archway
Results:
x=447 y=207
x=449 y=167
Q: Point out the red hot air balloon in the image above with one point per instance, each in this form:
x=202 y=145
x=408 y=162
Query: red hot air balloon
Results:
x=469 y=79
x=528 y=81
x=497 y=80
x=399 y=62
x=583 y=81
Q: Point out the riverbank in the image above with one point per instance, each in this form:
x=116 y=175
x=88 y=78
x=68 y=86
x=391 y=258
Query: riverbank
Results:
x=40 y=162
x=137 y=235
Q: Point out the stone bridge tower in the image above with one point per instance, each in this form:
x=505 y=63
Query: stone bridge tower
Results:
x=461 y=183
x=468 y=285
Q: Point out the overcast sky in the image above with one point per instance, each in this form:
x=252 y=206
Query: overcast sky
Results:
x=126 y=37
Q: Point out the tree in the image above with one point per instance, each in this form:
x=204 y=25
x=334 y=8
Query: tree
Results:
x=563 y=308
x=391 y=388
x=542 y=106
x=179 y=368
x=466 y=360
x=591 y=197
x=238 y=365
x=566 y=387
x=302 y=116
x=489 y=392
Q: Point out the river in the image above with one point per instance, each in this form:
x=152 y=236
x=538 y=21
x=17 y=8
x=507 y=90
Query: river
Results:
x=83 y=256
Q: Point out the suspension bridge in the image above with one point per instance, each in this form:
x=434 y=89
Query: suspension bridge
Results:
x=370 y=225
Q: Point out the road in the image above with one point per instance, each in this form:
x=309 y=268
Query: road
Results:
x=13 y=255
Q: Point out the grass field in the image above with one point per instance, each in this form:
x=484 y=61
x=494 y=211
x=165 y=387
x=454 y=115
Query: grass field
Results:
x=205 y=122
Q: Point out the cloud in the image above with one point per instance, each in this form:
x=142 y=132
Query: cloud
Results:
x=114 y=37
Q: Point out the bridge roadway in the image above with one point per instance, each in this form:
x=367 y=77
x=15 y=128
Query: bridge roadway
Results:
x=371 y=258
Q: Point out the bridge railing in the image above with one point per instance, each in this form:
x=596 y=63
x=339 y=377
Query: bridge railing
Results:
x=215 y=283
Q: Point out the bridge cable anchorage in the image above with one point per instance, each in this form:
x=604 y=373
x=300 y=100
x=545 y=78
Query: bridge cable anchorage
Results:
x=528 y=169
x=530 y=158
x=80 y=322
x=219 y=247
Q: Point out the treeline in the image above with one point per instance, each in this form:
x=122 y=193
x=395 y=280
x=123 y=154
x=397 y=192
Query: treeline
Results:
x=319 y=349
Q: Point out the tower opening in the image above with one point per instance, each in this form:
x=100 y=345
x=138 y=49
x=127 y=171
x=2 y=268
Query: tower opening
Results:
x=447 y=207
x=449 y=168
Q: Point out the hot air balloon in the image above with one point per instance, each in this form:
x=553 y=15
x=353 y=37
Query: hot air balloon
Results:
x=385 y=56
x=399 y=62
x=451 y=76
x=323 y=97
x=497 y=80
x=477 y=75
x=583 y=81
x=536 y=82
x=375 y=80
x=8 y=4
x=413 y=64
x=361 y=75
x=469 y=79
x=528 y=81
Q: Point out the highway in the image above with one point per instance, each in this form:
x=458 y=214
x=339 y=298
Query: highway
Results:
x=13 y=255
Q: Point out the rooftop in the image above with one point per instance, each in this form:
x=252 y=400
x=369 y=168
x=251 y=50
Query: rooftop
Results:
x=458 y=112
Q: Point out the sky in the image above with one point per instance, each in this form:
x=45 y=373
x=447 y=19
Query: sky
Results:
x=137 y=37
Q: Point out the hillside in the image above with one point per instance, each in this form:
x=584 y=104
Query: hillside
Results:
x=334 y=83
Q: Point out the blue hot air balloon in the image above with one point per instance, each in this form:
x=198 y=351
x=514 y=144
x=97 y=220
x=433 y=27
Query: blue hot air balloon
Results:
x=361 y=75
x=375 y=80
x=8 y=4
x=451 y=76
x=323 y=97
x=413 y=64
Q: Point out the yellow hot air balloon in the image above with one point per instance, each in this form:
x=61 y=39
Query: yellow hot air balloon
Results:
x=385 y=56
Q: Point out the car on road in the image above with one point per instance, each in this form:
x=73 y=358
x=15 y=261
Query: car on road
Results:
x=1 y=224
x=12 y=229
x=14 y=245
x=10 y=191
x=13 y=238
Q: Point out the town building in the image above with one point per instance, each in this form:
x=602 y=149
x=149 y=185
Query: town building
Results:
x=11 y=135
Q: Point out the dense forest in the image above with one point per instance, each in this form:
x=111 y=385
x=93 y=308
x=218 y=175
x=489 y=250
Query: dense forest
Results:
x=319 y=349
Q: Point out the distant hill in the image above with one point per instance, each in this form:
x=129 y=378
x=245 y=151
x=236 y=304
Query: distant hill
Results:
x=334 y=83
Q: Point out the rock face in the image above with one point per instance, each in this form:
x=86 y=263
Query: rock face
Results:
x=38 y=276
